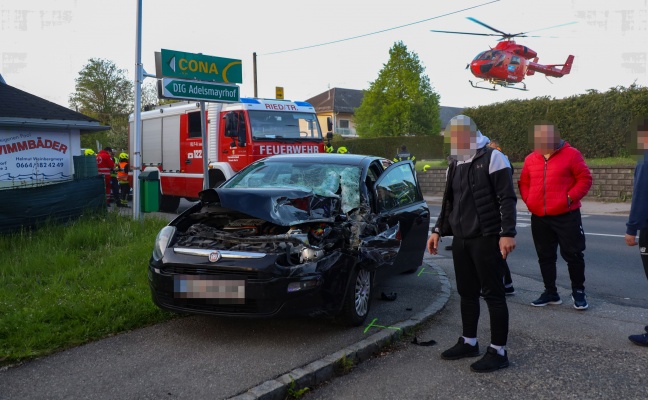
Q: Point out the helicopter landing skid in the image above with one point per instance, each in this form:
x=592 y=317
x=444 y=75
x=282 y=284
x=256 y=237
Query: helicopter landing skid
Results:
x=476 y=86
x=503 y=84
x=523 y=88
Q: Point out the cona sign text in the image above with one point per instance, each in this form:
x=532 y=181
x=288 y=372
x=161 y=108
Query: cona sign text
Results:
x=178 y=64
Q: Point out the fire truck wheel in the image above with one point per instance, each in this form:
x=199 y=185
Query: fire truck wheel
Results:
x=169 y=203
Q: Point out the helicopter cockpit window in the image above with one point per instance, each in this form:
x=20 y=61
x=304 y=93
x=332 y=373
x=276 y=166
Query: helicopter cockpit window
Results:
x=494 y=55
x=477 y=57
x=515 y=60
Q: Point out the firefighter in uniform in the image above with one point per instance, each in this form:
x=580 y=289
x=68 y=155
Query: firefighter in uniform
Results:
x=105 y=164
x=342 y=150
x=114 y=183
x=328 y=148
x=403 y=154
x=122 y=178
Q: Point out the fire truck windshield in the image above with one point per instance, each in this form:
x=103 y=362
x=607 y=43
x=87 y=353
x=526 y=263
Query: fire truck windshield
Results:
x=268 y=125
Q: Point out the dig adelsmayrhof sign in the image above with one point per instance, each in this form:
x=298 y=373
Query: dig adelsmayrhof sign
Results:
x=178 y=64
x=197 y=90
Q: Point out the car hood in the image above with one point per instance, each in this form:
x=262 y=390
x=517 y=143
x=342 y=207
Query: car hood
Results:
x=281 y=206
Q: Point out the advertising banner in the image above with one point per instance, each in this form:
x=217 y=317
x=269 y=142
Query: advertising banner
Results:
x=29 y=158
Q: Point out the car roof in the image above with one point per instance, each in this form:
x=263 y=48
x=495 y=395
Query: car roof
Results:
x=325 y=158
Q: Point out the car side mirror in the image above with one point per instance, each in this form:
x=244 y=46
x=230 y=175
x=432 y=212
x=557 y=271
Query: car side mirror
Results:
x=329 y=124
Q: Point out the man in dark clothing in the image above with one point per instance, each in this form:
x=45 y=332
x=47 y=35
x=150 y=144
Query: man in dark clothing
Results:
x=553 y=181
x=508 y=279
x=638 y=219
x=479 y=211
x=403 y=155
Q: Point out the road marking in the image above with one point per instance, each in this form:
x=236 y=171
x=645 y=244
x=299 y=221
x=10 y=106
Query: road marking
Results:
x=604 y=234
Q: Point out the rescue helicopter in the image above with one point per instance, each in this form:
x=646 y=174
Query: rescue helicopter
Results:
x=508 y=63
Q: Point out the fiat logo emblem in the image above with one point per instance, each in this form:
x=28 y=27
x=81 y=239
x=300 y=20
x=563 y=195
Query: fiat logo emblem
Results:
x=214 y=256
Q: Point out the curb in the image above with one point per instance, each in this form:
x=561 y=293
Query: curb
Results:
x=325 y=368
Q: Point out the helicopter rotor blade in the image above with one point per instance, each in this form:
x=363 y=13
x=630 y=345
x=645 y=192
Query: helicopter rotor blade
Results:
x=467 y=33
x=551 y=27
x=487 y=26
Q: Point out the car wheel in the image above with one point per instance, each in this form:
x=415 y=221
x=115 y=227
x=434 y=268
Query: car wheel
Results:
x=169 y=203
x=357 y=300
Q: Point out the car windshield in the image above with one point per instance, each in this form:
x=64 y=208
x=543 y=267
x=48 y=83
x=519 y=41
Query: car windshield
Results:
x=328 y=180
x=284 y=125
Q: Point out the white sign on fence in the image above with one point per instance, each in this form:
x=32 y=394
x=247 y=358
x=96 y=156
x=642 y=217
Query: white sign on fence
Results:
x=30 y=158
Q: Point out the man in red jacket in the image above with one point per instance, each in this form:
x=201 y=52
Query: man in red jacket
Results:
x=554 y=179
x=105 y=164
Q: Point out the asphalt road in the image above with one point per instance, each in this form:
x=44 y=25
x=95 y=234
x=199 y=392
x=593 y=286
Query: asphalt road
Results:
x=201 y=357
x=613 y=271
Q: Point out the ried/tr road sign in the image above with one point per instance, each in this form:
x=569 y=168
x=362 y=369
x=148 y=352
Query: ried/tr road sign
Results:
x=177 y=64
x=193 y=90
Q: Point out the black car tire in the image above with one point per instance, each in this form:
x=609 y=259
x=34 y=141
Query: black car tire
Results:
x=169 y=203
x=357 y=299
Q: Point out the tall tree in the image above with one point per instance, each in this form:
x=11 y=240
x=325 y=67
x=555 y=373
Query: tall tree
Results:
x=103 y=92
x=400 y=101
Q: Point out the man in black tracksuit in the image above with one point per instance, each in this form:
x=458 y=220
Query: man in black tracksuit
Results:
x=479 y=211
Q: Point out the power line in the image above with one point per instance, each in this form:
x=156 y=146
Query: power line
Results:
x=376 y=32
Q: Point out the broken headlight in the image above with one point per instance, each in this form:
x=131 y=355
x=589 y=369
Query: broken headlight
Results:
x=162 y=241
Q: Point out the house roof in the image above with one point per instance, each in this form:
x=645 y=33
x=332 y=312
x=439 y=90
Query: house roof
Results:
x=337 y=100
x=22 y=109
x=347 y=100
x=446 y=114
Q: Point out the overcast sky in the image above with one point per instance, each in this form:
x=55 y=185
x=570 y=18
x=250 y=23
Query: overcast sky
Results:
x=45 y=43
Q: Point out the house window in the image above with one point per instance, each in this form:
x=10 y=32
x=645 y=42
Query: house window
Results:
x=344 y=123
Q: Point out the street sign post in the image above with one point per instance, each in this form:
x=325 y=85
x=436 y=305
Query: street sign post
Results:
x=170 y=88
x=178 y=64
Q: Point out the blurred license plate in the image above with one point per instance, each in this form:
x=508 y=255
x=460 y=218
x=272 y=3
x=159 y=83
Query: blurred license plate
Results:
x=221 y=291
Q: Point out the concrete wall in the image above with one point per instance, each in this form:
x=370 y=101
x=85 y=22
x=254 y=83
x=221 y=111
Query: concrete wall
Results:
x=608 y=183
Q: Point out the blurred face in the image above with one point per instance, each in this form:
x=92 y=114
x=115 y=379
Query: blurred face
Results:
x=545 y=139
x=462 y=136
x=642 y=140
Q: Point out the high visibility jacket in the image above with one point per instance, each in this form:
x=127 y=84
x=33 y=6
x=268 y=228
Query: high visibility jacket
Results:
x=113 y=172
x=105 y=163
x=405 y=156
x=122 y=173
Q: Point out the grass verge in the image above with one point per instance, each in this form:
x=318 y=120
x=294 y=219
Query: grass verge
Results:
x=64 y=285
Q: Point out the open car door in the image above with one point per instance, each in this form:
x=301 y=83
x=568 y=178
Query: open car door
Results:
x=398 y=200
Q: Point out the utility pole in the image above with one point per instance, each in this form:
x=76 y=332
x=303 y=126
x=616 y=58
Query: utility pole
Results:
x=256 y=93
x=137 y=144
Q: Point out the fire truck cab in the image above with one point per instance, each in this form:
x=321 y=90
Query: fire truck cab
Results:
x=237 y=135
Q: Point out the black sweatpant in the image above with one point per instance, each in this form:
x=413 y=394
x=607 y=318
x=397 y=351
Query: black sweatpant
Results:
x=565 y=230
x=478 y=268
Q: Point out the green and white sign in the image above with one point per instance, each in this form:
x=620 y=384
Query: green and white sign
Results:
x=178 y=64
x=194 y=90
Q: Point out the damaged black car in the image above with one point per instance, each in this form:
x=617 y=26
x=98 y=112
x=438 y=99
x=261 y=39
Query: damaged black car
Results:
x=306 y=234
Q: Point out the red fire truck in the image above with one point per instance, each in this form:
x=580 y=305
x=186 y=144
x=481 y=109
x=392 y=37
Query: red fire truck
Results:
x=237 y=135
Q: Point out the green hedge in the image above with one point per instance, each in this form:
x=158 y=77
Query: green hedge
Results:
x=422 y=147
x=597 y=124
